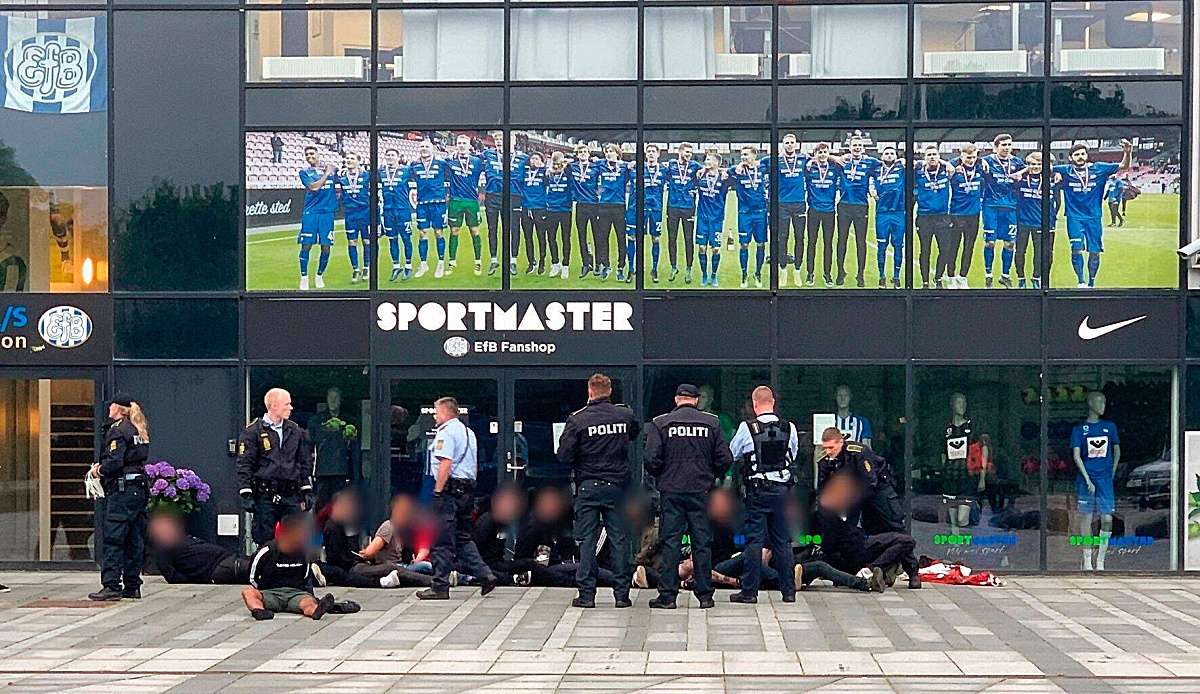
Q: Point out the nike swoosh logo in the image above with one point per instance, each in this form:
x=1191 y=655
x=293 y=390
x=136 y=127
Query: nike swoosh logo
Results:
x=1087 y=332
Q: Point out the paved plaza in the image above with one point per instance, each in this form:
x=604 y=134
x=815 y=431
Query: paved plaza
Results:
x=1037 y=634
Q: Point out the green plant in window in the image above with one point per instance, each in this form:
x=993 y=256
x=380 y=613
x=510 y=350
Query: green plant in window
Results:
x=1193 y=528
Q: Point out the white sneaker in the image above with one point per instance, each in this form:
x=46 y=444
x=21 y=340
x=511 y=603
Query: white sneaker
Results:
x=797 y=280
x=478 y=268
x=304 y=283
x=318 y=577
x=1082 y=285
x=422 y=269
x=564 y=272
x=440 y=270
x=783 y=276
x=354 y=277
x=962 y=282
x=555 y=269
x=392 y=580
x=320 y=282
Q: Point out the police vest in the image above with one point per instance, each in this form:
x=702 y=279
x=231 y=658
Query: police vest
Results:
x=772 y=449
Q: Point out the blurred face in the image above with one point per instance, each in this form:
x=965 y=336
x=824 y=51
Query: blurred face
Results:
x=839 y=494
x=165 y=530
x=401 y=512
x=345 y=509
x=833 y=446
x=549 y=506
x=391 y=157
x=789 y=144
x=1004 y=147
x=1079 y=157
x=279 y=407
x=720 y=506
x=294 y=539
x=464 y=144
x=426 y=150
x=685 y=152
x=889 y=155
x=310 y=156
x=506 y=505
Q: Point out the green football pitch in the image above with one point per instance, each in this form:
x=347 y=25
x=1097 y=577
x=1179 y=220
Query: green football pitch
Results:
x=1139 y=254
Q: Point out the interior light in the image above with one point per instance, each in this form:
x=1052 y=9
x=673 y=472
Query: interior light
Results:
x=88 y=271
x=1159 y=17
x=998 y=8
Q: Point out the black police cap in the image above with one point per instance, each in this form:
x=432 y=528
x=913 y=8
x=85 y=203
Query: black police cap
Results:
x=687 y=390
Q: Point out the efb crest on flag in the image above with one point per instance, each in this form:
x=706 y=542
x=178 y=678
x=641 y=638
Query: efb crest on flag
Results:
x=54 y=65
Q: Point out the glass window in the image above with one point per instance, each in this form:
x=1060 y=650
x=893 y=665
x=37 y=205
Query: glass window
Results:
x=991 y=236
x=306 y=192
x=978 y=101
x=53 y=163
x=1117 y=100
x=1192 y=405
x=576 y=192
x=976 y=473
x=720 y=103
x=838 y=41
x=167 y=328
x=573 y=44
x=333 y=404
x=194 y=192
x=724 y=391
x=308 y=45
x=1121 y=206
x=425 y=242
x=1111 y=468
x=700 y=43
x=818 y=102
x=1193 y=329
x=965 y=40
x=1117 y=38
x=441 y=45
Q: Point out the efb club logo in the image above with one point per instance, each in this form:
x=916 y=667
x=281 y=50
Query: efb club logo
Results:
x=65 y=327
x=52 y=66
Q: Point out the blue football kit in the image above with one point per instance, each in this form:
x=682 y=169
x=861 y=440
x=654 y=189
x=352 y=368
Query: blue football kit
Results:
x=316 y=221
x=1096 y=442
x=431 y=182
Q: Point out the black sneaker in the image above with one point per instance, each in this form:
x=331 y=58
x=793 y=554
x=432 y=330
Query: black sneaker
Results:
x=586 y=603
x=661 y=603
x=744 y=598
x=105 y=595
x=585 y=271
x=261 y=614
x=789 y=597
x=861 y=282
x=324 y=605
x=673 y=274
x=914 y=582
x=135 y=594
x=345 y=607
x=431 y=594
x=487 y=585
x=707 y=603
x=622 y=602
x=4 y=588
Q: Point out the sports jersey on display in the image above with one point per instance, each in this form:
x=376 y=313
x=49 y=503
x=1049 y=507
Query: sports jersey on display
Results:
x=464 y=177
x=958 y=441
x=681 y=183
x=889 y=187
x=535 y=188
x=965 y=190
x=790 y=177
x=324 y=199
x=932 y=190
x=393 y=184
x=854 y=428
x=493 y=172
x=558 y=191
x=1095 y=441
x=1083 y=187
x=1029 y=202
x=822 y=180
x=751 y=188
x=856 y=176
x=356 y=193
x=612 y=178
x=654 y=188
x=998 y=189
x=583 y=180
x=711 y=191
x=429 y=180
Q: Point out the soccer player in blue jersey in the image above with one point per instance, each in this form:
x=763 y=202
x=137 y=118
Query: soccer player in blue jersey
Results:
x=316 y=222
x=612 y=182
x=559 y=197
x=1114 y=193
x=428 y=187
x=1000 y=207
x=931 y=183
x=493 y=198
x=712 y=188
x=681 y=209
x=890 y=180
x=397 y=211
x=1029 y=219
x=857 y=170
x=583 y=177
x=1083 y=190
x=518 y=162
x=533 y=225
x=966 y=191
x=1096 y=449
x=793 y=205
x=466 y=176
x=822 y=176
x=355 y=183
x=654 y=189
x=751 y=186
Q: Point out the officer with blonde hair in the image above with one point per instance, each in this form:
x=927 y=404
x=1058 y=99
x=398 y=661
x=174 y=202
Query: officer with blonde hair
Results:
x=274 y=466
x=122 y=471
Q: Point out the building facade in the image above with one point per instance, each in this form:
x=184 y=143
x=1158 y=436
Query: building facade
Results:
x=203 y=200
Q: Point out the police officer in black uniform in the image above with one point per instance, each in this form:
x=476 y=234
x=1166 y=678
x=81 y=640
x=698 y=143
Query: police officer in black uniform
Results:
x=274 y=466
x=766 y=448
x=686 y=452
x=880 y=508
x=595 y=444
x=122 y=471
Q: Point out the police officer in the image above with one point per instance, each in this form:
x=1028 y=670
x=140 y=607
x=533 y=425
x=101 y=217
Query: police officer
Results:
x=686 y=452
x=122 y=472
x=274 y=466
x=880 y=508
x=454 y=466
x=766 y=448
x=595 y=444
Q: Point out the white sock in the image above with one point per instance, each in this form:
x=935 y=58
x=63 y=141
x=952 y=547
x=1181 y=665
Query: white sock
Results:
x=392 y=580
x=1103 y=549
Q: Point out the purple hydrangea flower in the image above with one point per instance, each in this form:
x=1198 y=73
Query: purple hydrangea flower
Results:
x=165 y=469
x=202 y=496
x=151 y=470
x=170 y=493
x=159 y=486
x=183 y=483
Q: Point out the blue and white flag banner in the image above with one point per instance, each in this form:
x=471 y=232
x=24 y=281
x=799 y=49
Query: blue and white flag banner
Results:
x=54 y=65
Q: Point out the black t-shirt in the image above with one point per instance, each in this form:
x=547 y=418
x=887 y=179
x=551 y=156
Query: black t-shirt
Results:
x=340 y=547
x=556 y=536
x=490 y=537
x=723 y=546
x=272 y=568
x=190 y=561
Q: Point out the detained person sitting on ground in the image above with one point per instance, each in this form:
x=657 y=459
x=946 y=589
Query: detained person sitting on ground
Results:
x=281 y=579
x=343 y=548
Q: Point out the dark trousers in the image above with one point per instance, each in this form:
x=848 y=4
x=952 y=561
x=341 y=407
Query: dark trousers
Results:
x=492 y=204
x=268 y=512
x=1025 y=235
x=678 y=218
x=964 y=232
x=929 y=228
x=819 y=569
x=883 y=514
x=791 y=219
x=610 y=218
x=599 y=502
x=455 y=540
x=820 y=222
x=558 y=229
x=766 y=523
x=374 y=572
x=685 y=513
x=585 y=222
x=231 y=570
x=529 y=223
x=124 y=537
x=851 y=216
x=1114 y=213
x=888 y=549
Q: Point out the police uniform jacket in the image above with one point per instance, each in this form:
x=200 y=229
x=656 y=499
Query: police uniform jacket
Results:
x=868 y=467
x=686 y=451
x=595 y=441
x=124 y=451
x=263 y=457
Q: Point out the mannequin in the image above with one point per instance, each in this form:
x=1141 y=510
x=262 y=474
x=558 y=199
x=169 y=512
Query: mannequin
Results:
x=1096 y=449
x=853 y=427
x=959 y=439
x=333 y=434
